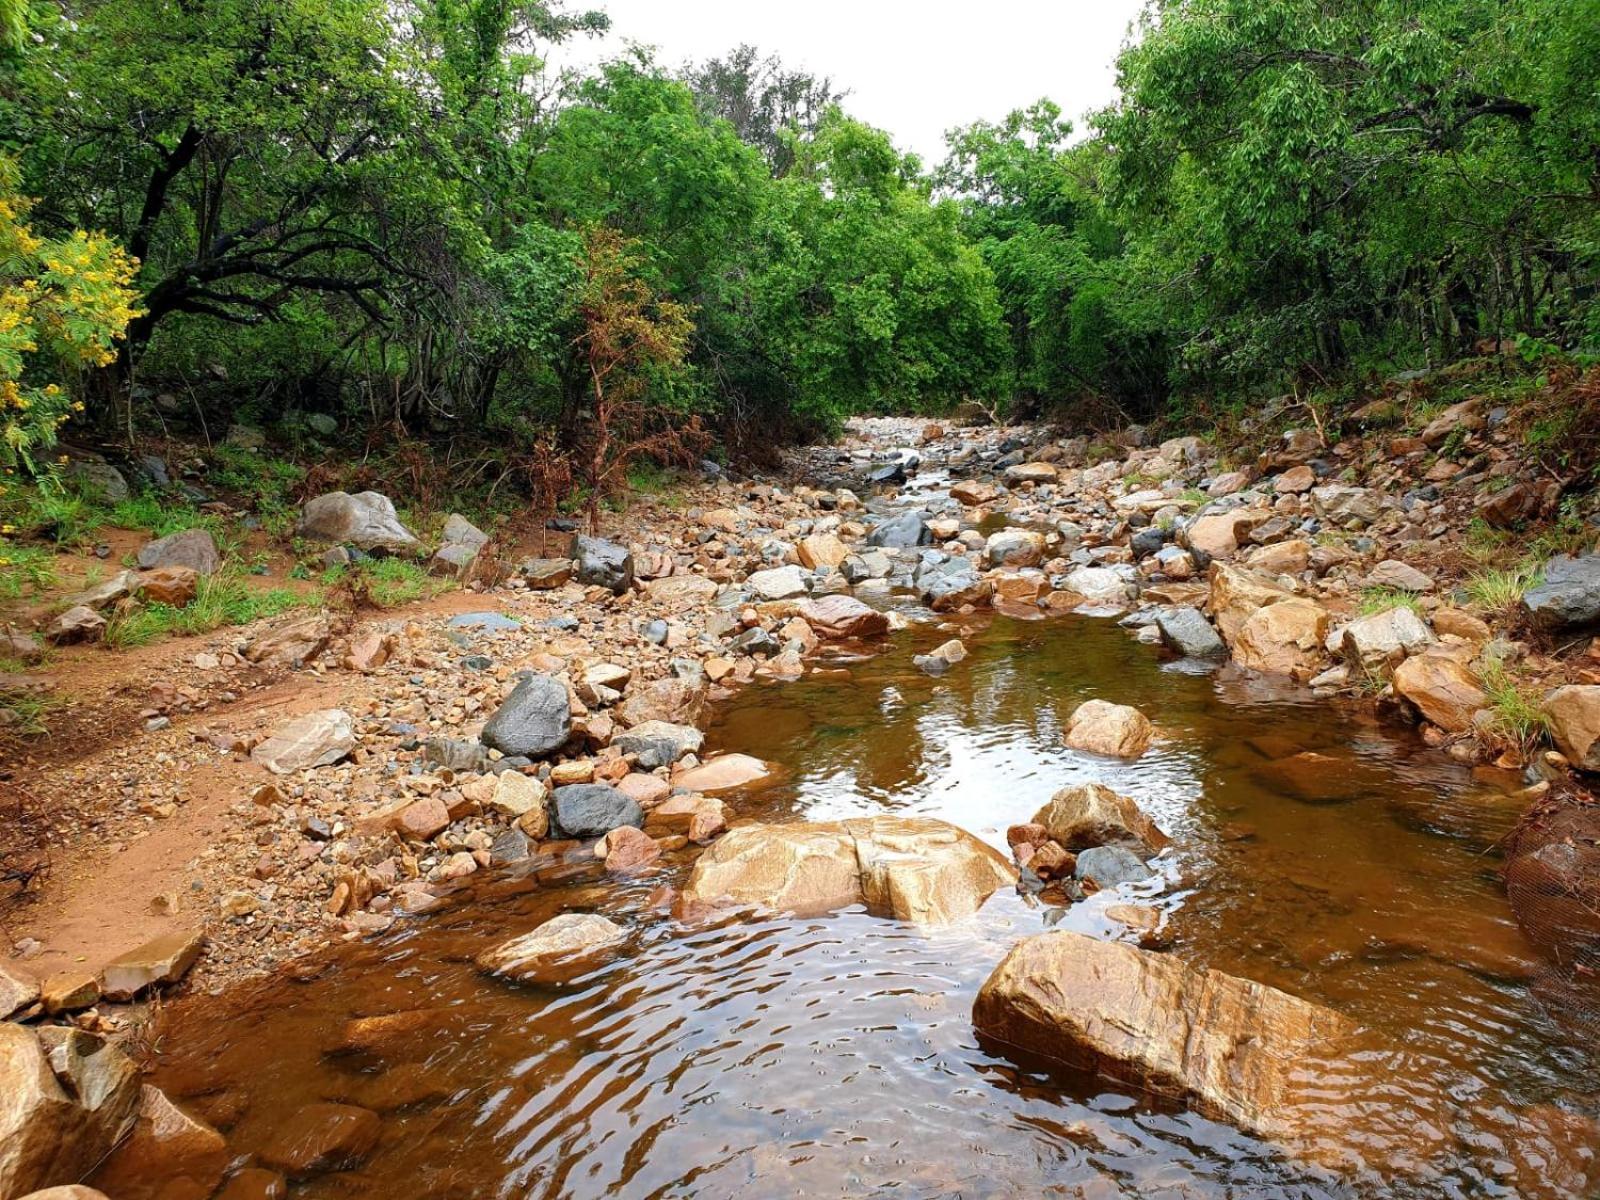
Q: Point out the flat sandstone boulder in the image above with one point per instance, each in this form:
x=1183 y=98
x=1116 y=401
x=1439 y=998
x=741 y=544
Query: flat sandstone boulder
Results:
x=914 y=869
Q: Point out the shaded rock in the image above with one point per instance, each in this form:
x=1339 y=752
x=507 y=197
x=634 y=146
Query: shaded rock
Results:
x=1108 y=866
x=723 y=773
x=1285 y=638
x=1573 y=713
x=1091 y=814
x=585 y=810
x=100 y=479
x=322 y=1137
x=1236 y=1051
x=166 y=1150
x=66 y=1098
x=107 y=592
x=604 y=564
x=78 y=624
x=1117 y=730
x=160 y=961
x=659 y=743
x=68 y=991
x=366 y=520
x=561 y=945
x=17 y=990
x=1379 y=641
x=911 y=868
x=1188 y=632
x=192 y=548
x=843 y=617
x=317 y=739
x=1441 y=689
x=534 y=720
x=1568 y=597
x=905 y=530
x=255 y=1183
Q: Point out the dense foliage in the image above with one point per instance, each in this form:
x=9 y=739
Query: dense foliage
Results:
x=389 y=210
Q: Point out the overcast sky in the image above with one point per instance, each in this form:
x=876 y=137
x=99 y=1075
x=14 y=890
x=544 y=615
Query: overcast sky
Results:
x=915 y=69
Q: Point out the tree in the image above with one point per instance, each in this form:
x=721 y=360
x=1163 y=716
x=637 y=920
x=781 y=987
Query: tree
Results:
x=630 y=344
x=768 y=105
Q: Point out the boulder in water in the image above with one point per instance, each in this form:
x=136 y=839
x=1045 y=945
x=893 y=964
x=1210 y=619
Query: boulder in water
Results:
x=561 y=944
x=1115 y=730
x=1091 y=814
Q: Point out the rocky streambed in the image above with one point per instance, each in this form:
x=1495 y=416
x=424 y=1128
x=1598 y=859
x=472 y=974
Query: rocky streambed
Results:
x=1012 y=900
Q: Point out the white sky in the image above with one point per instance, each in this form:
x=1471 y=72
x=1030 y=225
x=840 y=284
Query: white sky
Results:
x=914 y=69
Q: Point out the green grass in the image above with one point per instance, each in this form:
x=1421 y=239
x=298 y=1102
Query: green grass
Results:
x=269 y=481
x=387 y=582
x=222 y=599
x=1382 y=599
x=29 y=714
x=1517 y=715
x=1501 y=590
x=25 y=570
x=63 y=518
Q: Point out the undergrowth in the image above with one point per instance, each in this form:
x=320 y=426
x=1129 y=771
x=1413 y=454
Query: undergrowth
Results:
x=222 y=599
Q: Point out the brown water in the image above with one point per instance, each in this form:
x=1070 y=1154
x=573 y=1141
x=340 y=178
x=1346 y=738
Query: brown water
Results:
x=835 y=1056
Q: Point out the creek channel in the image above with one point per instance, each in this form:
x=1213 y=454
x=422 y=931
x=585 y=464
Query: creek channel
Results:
x=758 y=1056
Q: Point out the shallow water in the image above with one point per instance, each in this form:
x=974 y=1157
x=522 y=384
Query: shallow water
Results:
x=835 y=1056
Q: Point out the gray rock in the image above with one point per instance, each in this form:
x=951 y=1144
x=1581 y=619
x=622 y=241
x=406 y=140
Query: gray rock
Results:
x=78 y=624
x=1188 y=632
x=366 y=520
x=1569 y=596
x=101 y=479
x=604 y=564
x=1107 y=866
x=510 y=846
x=107 y=592
x=460 y=545
x=534 y=720
x=492 y=622
x=322 y=423
x=906 y=530
x=455 y=754
x=585 y=810
x=1345 y=506
x=659 y=743
x=193 y=548
x=656 y=632
x=943 y=591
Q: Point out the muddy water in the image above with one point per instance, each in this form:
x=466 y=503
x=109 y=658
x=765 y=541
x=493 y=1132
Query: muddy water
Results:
x=835 y=1056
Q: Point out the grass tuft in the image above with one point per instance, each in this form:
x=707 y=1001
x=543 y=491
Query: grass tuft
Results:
x=1382 y=599
x=1501 y=590
x=1516 y=712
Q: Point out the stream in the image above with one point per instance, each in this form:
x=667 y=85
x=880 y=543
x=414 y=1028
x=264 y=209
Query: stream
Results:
x=1313 y=850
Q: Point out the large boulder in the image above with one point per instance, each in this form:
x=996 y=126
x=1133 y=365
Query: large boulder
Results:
x=1573 y=715
x=1568 y=597
x=843 y=617
x=1116 y=730
x=1235 y=1050
x=1283 y=639
x=66 y=1099
x=1378 y=641
x=315 y=739
x=911 y=868
x=167 y=1153
x=604 y=564
x=460 y=544
x=1237 y=593
x=1091 y=814
x=557 y=948
x=192 y=548
x=366 y=520
x=591 y=810
x=534 y=720
x=1441 y=689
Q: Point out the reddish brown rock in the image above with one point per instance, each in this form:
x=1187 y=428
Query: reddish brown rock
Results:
x=843 y=617
x=175 y=586
x=322 y=1137
x=626 y=849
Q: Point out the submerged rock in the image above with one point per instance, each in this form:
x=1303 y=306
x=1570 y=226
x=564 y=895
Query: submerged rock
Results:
x=322 y=1137
x=167 y=1152
x=723 y=773
x=911 y=868
x=561 y=944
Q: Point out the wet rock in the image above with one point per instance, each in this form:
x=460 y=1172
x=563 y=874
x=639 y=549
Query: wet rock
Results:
x=699 y=818
x=534 y=720
x=192 y=548
x=1116 y=730
x=1108 y=866
x=914 y=869
x=564 y=943
x=255 y=1183
x=626 y=849
x=1573 y=714
x=1379 y=641
x=173 y=586
x=157 y=963
x=1441 y=689
x=1014 y=548
x=78 y=624
x=947 y=591
x=317 y=739
x=66 y=1098
x=1569 y=595
x=723 y=773
x=901 y=532
x=604 y=564
x=1237 y=593
x=659 y=743
x=320 y=1138
x=1283 y=639
x=292 y=644
x=510 y=846
x=941 y=658
x=1236 y=1051
x=1091 y=814
x=834 y=617
x=585 y=810
x=1188 y=632
x=167 y=1152
x=366 y=520
x=675 y=701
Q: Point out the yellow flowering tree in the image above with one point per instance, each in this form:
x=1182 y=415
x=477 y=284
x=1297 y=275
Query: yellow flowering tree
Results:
x=64 y=304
